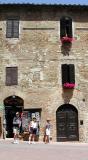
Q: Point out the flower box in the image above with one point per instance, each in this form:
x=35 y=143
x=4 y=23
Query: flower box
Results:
x=69 y=85
x=66 y=39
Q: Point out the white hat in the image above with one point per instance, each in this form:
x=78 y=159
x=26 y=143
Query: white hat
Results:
x=17 y=113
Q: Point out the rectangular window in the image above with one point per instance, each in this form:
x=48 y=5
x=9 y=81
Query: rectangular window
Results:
x=68 y=75
x=12 y=28
x=11 y=76
x=66 y=27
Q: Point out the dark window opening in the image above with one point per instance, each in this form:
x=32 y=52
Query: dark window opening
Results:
x=11 y=76
x=12 y=28
x=68 y=75
x=66 y=27
x=81 y=122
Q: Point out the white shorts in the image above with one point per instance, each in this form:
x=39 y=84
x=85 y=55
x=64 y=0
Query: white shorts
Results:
x=15 y=131
x=47 y=132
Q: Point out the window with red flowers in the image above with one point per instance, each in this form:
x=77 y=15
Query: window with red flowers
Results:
x=66 y=29
x=68 y=75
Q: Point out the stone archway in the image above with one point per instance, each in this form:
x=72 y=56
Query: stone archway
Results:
x=12 y=105
x=67 y=123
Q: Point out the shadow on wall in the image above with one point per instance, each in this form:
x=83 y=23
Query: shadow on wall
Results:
x=67 y=95
x=65 y=48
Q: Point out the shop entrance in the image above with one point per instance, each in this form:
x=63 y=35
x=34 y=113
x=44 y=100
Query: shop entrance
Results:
x=67 y=123
x=12 y=105
x=28 y=115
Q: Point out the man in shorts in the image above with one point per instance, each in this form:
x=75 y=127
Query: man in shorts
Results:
x=16 y=127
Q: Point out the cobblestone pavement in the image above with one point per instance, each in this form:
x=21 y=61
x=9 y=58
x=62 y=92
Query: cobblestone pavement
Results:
x=41 y=151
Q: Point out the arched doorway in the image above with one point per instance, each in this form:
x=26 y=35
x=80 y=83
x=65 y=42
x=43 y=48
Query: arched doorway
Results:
x=67 y=123
x=12 y=105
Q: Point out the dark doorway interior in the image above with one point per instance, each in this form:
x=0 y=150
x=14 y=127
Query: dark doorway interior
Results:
x=12 y=105
x=67 y=123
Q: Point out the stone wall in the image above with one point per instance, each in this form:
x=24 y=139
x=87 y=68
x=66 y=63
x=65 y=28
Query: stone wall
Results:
x=38 y=53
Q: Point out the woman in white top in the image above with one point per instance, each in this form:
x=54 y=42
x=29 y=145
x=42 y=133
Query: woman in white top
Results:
x=32 y=130
x=47 y=131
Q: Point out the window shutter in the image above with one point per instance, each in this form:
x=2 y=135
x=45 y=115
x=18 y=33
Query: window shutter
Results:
x=14 y=74
x=62 y=28
x=12 y=28
x=8 y=76
x=69 y=27
x=64 y=73
x=71 y=73
x=11 y=76
x=16 y=28
x=9 y=29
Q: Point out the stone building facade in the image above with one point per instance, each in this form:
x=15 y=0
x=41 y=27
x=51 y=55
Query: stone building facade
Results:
x=38 y=53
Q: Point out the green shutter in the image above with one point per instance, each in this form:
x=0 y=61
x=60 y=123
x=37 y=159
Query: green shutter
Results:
x=71 y=73
x=64 y=73
x=69 y=27
x=62 y=27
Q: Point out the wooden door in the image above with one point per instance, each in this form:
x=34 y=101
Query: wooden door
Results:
x=67 y=124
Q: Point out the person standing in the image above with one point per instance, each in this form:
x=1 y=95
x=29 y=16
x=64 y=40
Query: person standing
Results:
x=47 y=131
x=4 y=129
x=16 y=127
x=32 y=130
